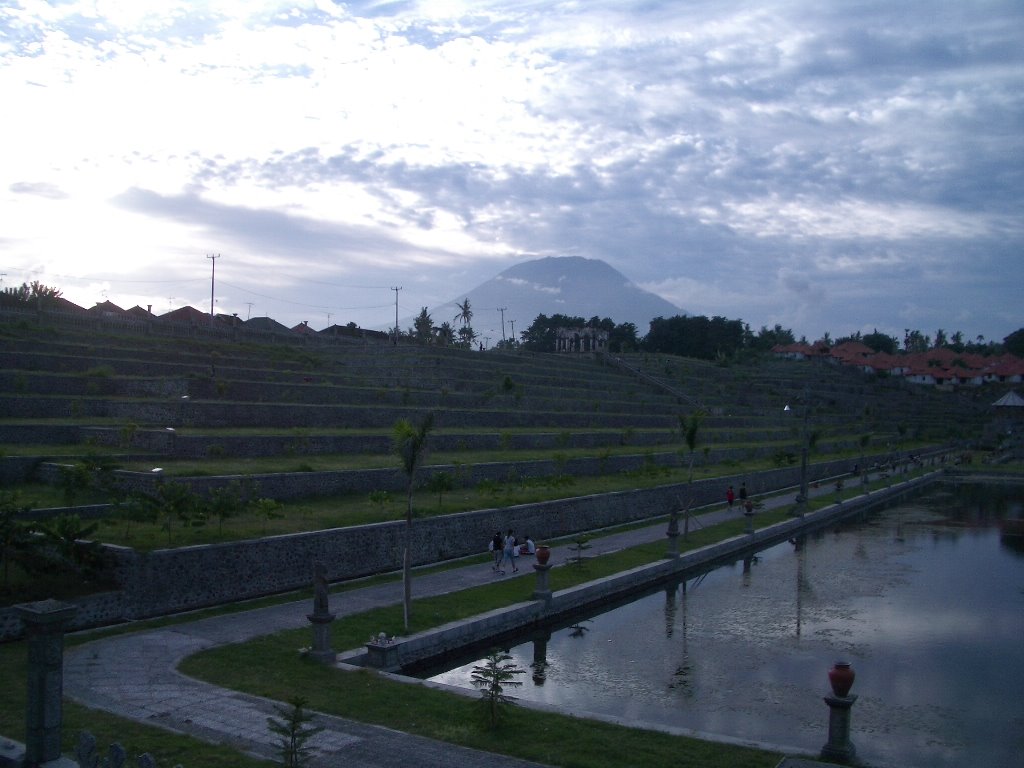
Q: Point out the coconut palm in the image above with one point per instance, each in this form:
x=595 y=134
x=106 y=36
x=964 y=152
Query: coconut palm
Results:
x=465 y=313
x=409 y=443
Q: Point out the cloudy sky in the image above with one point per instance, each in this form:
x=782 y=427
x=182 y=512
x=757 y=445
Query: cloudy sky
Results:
x=829 y=166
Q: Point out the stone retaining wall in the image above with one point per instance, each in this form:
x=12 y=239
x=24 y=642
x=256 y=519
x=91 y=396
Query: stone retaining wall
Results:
x=174 y=580
x=167 y=581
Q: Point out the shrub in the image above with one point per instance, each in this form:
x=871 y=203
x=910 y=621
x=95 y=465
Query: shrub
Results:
x=492 y=677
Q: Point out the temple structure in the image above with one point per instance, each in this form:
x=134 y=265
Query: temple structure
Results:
x=581 y=340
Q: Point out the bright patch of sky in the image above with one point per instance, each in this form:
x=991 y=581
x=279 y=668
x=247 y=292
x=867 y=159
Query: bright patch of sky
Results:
x=828 y=167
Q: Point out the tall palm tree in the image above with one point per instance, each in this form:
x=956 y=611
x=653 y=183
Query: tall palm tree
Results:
x=465 y=313
x=409 y=444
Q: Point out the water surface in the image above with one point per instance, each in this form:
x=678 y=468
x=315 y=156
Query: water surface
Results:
x=925 y=600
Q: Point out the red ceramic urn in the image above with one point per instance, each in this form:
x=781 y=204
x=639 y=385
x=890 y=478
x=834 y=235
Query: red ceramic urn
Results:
x=841 y=677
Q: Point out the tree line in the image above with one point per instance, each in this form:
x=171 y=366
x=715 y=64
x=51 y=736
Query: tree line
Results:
x=684 y=335
x=713 y=338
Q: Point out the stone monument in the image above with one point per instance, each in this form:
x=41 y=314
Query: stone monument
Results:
x=45 y=622
x=321 y=617
x=839 y=748
x=673 y=534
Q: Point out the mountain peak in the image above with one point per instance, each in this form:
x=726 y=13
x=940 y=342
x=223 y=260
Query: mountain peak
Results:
x=567 y=285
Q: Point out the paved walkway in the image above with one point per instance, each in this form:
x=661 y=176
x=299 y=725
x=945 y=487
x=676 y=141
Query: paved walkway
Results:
x=135 y=676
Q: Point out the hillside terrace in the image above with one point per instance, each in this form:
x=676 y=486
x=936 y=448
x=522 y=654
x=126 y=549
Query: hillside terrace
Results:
x=146 y=397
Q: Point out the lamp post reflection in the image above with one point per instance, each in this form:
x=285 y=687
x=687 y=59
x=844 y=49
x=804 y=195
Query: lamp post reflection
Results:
x=801 y=499
x=670 y=608
x=682 y=677
x=800 y=548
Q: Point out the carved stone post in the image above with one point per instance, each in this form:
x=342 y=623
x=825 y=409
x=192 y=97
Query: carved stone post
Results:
x=673 y=535
x=839 y=748
x=45 y=622
x=543 y=589
x=321 y=617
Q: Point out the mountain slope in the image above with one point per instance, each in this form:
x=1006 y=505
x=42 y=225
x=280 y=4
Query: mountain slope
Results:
x=567 y=285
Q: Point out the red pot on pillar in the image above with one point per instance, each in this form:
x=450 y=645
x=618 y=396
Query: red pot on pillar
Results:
x=841 y=677
x=543 y=553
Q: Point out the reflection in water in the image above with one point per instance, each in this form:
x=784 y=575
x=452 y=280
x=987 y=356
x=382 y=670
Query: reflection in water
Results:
x=801 y=581
x=540 y=664
x=927 y=601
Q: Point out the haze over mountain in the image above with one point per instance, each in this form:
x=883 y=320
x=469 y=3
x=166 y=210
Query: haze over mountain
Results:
x=567 y=285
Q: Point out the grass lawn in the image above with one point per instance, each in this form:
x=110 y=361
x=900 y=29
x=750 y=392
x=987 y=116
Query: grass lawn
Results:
x=272 y=666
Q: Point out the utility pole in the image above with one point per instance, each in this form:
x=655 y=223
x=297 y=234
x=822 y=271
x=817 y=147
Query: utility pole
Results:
x=213 y=274
x=328 y=319
x=249 y=313
x=396 y=290
x=502 y=310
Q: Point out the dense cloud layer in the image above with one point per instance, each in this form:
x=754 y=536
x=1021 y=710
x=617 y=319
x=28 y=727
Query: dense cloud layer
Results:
x=830 y=167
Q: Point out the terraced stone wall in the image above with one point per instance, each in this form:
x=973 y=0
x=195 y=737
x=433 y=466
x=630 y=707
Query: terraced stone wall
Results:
x=166 y=581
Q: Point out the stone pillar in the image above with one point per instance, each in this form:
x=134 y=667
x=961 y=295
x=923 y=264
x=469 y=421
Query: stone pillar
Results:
x=321 y=618
x=839 y=748
x=543 y=589
x=673 y=535
x=45 y=622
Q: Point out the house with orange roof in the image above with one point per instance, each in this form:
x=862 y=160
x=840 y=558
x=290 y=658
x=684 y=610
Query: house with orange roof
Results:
x=797 y=351
x=851 y=352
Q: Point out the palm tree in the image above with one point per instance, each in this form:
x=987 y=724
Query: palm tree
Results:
x=409 y=443
x=689 y=426
x=465 y=313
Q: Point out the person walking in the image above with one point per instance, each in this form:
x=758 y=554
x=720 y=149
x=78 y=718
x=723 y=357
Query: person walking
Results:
x=497 y=546
x=743 y=494
x=730 y=496
x=509 y=551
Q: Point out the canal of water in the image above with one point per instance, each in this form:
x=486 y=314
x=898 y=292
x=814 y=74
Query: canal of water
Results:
x=926 y=600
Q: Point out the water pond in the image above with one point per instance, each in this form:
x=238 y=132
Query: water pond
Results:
x=926 y=600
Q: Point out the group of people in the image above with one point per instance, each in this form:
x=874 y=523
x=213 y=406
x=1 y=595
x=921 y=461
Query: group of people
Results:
x=508 y=548
x=730 y=498
x=730 y=495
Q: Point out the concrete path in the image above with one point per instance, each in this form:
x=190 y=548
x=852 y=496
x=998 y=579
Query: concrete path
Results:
x=135 y=675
